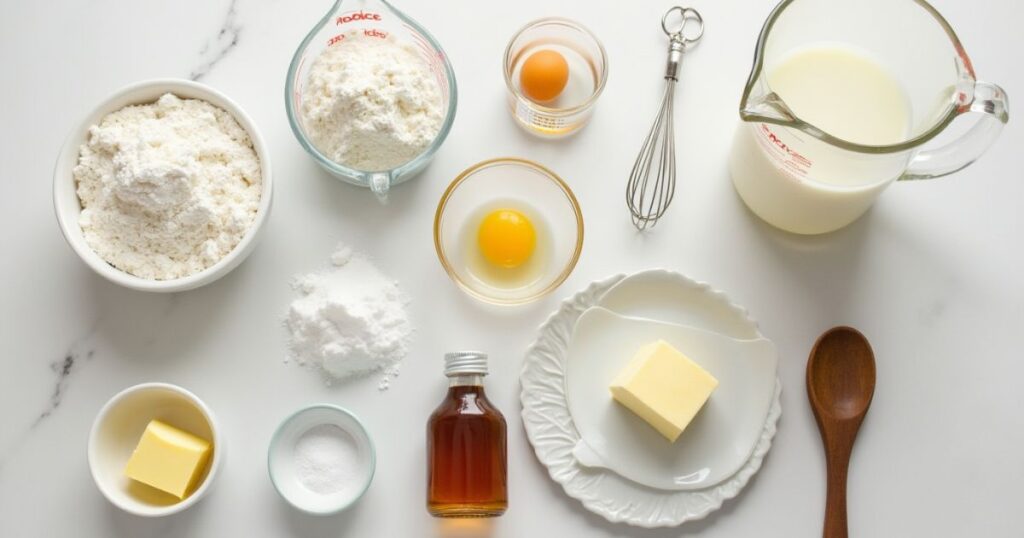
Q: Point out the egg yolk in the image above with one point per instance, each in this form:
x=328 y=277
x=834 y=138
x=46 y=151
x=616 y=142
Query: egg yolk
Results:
x=506 y=238
x=544 y=75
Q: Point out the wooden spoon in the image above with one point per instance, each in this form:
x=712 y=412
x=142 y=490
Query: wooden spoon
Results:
x=840 y=384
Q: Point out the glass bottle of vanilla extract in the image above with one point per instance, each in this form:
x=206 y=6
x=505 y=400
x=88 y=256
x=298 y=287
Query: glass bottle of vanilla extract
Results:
x=467 y=462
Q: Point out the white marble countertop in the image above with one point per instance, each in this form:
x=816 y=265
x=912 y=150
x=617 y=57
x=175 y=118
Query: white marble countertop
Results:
x=932 y=276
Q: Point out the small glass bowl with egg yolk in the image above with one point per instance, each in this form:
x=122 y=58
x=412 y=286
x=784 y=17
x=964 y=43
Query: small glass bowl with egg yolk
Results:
x=555 y=69
x=508 y=231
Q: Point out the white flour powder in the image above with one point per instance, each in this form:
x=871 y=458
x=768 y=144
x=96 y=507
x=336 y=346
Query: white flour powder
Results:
x=371 y=103
x=350 y=320
x=167 y=189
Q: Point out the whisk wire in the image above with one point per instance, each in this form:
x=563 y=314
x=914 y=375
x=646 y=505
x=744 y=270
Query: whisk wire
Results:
x=667 y=167
x=647 y=202
x=640 y=176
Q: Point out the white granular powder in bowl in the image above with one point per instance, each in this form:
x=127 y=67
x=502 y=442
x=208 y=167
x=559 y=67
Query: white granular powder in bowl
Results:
x=371 y=104
x=168 y=188
x=327 y=460
x=350 y=320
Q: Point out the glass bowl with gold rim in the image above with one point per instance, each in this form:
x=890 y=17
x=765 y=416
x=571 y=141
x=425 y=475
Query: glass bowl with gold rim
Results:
x=538 y=196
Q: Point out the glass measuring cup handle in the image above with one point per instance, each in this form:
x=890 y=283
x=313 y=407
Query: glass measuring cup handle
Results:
x=989 y=100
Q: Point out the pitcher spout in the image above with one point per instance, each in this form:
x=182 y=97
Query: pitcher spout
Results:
x=766 y=107
x=380 y=184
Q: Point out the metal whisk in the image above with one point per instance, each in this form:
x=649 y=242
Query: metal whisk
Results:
x=648 y=198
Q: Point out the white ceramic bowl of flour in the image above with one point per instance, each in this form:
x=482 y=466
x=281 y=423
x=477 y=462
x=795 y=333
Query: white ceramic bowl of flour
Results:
x=321 y=459
x=68 y=206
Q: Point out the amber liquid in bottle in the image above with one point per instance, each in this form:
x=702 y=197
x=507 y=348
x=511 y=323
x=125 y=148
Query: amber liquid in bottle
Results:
x=466 y=454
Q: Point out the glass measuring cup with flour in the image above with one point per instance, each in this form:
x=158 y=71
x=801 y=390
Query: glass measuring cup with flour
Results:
x=842 y=98
x=370 y=94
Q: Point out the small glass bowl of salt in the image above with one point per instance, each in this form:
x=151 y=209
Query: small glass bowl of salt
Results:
x=321 y=459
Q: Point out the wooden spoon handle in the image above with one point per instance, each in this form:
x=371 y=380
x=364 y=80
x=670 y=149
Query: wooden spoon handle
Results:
x=837 y=464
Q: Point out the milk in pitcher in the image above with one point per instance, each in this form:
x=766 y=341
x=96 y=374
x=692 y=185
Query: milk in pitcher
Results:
x=801 y=184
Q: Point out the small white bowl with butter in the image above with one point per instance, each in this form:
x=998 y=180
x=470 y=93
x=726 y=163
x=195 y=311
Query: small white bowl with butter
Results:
x=115 y=437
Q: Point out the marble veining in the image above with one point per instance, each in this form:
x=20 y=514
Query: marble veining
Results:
x=83 y=349
x=79 y=351
x=907 y=263
x=64 y=368
x=219 y=47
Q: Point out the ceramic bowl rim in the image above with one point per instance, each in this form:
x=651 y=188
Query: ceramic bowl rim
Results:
x=215 y=462
x=63 y=179
x=274 y=444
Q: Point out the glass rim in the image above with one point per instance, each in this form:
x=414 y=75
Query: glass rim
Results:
x=551 y=111
x=356 y=176
x=448 y=265
x=956 y=107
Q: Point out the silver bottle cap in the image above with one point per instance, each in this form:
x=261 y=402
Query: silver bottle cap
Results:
x=465 y=363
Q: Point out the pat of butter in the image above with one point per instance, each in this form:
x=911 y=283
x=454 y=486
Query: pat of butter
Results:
x=664 y=387
x=168 y=459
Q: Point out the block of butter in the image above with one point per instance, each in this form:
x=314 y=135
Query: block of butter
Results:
x=664 y=387
x=168 y=459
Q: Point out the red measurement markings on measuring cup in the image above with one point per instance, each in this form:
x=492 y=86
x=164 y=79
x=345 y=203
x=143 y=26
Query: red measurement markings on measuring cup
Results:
x=788 y=158
x=369 y=32
x=356 y=16
x=433 y=57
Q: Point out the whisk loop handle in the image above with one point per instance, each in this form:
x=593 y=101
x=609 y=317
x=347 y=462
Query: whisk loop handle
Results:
x=682 y=35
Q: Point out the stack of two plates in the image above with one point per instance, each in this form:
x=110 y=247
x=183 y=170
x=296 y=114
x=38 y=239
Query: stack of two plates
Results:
x=610 y=460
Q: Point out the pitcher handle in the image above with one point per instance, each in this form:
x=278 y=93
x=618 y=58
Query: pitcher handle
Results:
x=991 y=101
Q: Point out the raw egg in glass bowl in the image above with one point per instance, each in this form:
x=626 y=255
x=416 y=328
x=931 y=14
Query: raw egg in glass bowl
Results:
x=508 y=231
x=554 y=70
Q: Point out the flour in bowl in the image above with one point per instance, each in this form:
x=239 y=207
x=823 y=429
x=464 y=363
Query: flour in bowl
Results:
x=168 y=188
x=371 y=103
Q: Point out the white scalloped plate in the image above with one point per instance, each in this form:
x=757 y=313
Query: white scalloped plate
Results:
x=656 y=294
x=718 y=441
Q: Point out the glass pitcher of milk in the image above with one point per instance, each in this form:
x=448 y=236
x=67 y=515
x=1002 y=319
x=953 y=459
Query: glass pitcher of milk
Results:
x=842 y=98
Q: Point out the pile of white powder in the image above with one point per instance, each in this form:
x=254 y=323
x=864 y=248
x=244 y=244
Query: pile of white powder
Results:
x=167 y=189
x=371 y=103
x=350 y=320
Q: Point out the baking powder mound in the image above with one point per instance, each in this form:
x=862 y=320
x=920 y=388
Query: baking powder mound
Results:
x=350 y=320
